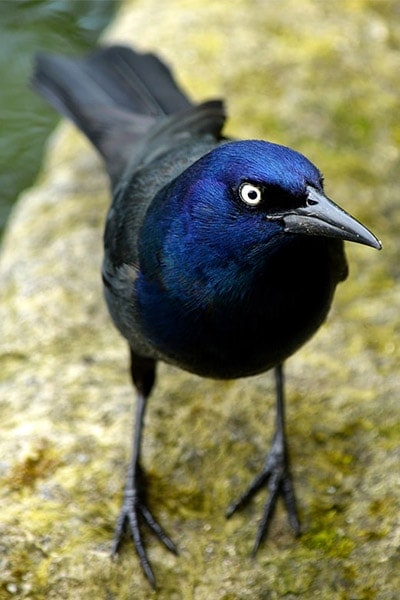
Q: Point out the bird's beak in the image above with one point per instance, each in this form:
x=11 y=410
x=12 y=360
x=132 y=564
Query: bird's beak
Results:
x=323 y=217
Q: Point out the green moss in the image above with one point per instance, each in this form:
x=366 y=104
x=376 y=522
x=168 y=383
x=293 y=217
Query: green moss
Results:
x=326 y=538
x=390 y=435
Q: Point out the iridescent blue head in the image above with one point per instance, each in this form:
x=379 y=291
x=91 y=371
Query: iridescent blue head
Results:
x=264 y=189
x=228 y=212
x=277 y=170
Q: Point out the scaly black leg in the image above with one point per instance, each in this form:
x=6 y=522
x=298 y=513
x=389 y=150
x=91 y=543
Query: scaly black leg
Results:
x=275 y=474
x=134 y=508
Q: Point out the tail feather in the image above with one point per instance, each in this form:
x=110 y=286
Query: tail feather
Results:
x=114 y=96
x=140 y=83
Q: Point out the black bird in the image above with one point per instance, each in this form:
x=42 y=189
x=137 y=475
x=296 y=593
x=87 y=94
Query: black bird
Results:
x=220 y=256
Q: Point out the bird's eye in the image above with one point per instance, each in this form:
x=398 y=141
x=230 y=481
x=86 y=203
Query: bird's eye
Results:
x=250 y=194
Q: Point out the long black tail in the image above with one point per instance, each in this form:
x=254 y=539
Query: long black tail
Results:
x=114 y=95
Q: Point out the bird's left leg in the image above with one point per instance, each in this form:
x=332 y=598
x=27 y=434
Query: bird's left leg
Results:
x=275 y=474
x=134 y=508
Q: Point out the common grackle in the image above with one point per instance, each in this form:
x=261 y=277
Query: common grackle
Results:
x=220 y=256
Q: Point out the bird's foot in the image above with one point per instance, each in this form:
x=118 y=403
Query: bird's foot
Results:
x=132 y=512
x=277 y=477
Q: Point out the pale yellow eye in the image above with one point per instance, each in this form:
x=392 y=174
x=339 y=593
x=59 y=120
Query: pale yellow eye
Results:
x=250 y=194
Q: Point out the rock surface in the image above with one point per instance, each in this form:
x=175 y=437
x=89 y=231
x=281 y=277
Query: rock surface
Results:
x=323 y=78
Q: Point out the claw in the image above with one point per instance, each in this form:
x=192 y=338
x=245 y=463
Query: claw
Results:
x=133 y=509
x=275 y=475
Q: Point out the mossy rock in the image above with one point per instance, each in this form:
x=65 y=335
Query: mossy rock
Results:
x=321 y=77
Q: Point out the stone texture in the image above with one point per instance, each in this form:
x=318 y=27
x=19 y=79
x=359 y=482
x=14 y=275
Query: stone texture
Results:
x=323 y=78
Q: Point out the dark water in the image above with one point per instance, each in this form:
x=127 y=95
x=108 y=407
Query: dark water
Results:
x=26 y=26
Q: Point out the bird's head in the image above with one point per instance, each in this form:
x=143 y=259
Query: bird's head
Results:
x=227 y=215
x=258 y=183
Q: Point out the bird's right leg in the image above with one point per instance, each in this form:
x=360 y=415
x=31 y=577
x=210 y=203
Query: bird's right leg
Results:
x=134 y=508
x=275 y=474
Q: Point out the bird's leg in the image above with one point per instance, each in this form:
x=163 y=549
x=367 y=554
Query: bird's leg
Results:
x=275 y=474
x=134 y=508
